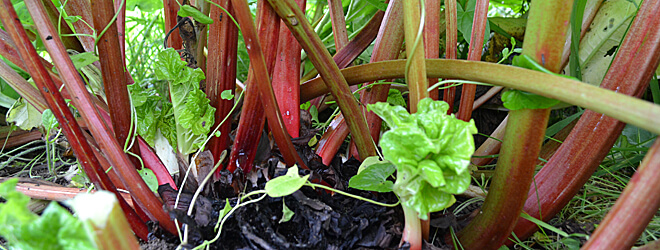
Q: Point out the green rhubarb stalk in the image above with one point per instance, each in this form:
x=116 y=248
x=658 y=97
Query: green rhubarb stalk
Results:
x=624 y=108
x=320 y=57
x=413 y=26
x=546 y=28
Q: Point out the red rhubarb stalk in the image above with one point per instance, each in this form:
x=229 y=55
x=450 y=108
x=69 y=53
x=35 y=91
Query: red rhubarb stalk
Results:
x=51 y=93
x=432 y=37
x=221 y=71
x=83 y=101
x=260 y=73
x=474 y=54
x=253 y=117
x=286 y=77
x=113 y=72
x=451 y=37
x=588 y=143
x=320 y=57
x=634 y=209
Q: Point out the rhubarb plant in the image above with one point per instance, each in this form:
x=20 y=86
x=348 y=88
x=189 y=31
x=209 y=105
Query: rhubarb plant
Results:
x=431 y=151
x=187 y=120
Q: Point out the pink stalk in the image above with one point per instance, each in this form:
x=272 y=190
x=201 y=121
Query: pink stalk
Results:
x=474 y=54
x=634 y=209
x=594 y=134
x=83 y=101
x=286 y=77
x=450 y=47
x=221 y=72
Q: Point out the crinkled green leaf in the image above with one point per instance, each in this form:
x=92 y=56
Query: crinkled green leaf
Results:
x=14 y=212
x=373 y=175
x=431 y=151
x=198 y=114
x=456 y=183
x=432 y=173
x=395 y=98
x=193 y=116
x=407 y=145
x=285 y=184
x=392 y=115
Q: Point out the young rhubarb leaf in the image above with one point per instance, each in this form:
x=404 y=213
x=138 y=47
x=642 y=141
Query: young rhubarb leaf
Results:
x=193 y=116
x=431 y=151
x=372 y=176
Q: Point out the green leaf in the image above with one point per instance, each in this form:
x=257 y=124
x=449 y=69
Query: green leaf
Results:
x=55 y=229
x=169 y=65
x=48 y=120
x=514 y=99
x=287 y=214
x=72 y=19
x=83 y=59
x=24 y=115
x=187 y=10
x=149 y=178
x=193 y=116
x=431 y=151
x=372 y=176
x=395 y=98
x=378 y=4
x=198 y=114
x=286 y=184
x=223 y=213
x=227 y=95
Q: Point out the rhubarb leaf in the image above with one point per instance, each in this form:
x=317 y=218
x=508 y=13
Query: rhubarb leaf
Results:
x=193 y=116
x=431 y=151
